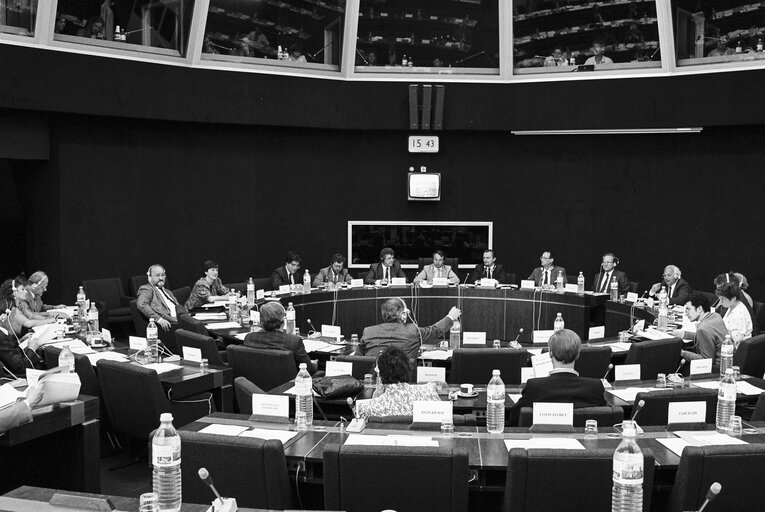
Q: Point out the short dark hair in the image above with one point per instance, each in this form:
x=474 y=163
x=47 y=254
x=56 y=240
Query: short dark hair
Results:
x=271 y=316
x=552 y=256
x=699 y=299
x=337 y=258
x=564 y=346
x=292 y=256
x=727 y=285
x=210 y=264
x=6 y=295
x=394 y=366
x=386 y=251
x=391 y=310
x=493 y=253
x=439 y=252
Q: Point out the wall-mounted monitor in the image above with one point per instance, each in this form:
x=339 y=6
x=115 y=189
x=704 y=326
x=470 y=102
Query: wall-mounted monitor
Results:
x=424 y=186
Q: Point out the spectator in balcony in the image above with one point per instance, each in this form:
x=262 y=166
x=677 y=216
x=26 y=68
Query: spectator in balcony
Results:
x=556 y=59
x=95 y=28
x=296 y=53
x=598 y=59
x=722 y=48
x=60 y=25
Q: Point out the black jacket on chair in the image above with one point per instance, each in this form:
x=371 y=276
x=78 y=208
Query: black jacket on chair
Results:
x=563 y=387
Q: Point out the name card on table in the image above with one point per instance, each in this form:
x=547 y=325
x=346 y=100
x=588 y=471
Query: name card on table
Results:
x=106 y=334
x=527 y=284
x=542 y=365
x=285 y=288
x=701 y=366
x=487 y=283
x=331 y=331
x=357 y=283
x=431 y=411
x=687 y=412
x=431 y=374
x=334 y=368
x=440 y=281
x=526 y=374
x=474 y=338
x=542 y=336
x=260 y=294
x=571 y=287
x=545 y=413
x=192 y=354
x=597 y=332
x=398 y=281
x=632 y=297
x=137 y=343
x=255 y=316
x=271 y=406
x=627 y=372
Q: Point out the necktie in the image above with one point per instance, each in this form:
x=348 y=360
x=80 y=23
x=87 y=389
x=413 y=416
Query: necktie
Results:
x=487 y=272
x=166 y=295
x=671 y=288
x=546 y=279
x=387 y=273
x=292 y=278
x=334 y=278
x=439 y=273
x=604 y=284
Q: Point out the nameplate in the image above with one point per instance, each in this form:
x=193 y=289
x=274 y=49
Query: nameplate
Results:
x=285 y=288
x=597 y=332
x=33 y=376
x=334 y=368
x=357 y=283
x=487 y=283
x=639 y=326
x=255 y=316
x=526 y=374
x=431 y=374
x=632 y=297
x=432 y=411
x=701 y=366
x=686 y=412
x=474 y=338
x=542 y=337
x=398 y=281
x=569 y=287
x=260 y=294
x=137 y=343
x=527 y=284
x=192 y=354
x=106 y=334
x=330 y=331
x=440 y=281
x=545 y=413
x=277 y=406
x=542 y=365
x=627 y=372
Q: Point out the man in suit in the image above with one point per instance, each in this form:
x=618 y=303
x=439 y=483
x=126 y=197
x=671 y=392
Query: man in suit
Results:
x=710 y=331
x=394 y=331
x=564 y=384
x=157 y=302
x=602 y=281
x=385 y=270
x=489 y=269
x=32 y=306
x=437 y=269
x=548 y=272
x=333 y=275
x=272 y=337
x=678 y=288
x=287 y=274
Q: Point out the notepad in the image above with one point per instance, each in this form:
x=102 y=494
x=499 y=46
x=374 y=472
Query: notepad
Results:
x=742 y=387
x=629 y=394
x=223 y=430
x=437 y=355
x=263 y=433
x=109 y=356
x=392 y=440
x=558 y=443
x=162 y=367
x=223 y=325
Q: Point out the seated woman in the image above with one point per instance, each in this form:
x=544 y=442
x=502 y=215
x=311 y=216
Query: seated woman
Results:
x=12 y=357
x=207 y=289
x=395 y=396
x=737 y=319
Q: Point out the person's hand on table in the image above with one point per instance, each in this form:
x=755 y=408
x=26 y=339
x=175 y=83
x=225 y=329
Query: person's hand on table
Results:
x=34 y=396
x=678 y=333
x=164 y=324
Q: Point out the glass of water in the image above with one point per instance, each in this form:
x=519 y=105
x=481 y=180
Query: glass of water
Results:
x=148 y=502
x=591 y=428
x=735 y=426
x=497 y=344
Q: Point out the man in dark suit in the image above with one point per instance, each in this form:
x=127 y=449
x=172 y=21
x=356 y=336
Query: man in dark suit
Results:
x=273 y=338
x=548 y=272
x=333 y=275
x=287 y=274
x=602 y=281
x=563 y=385
x=489 y=269
x=385 y=270
x=157 y=302
x=678 y=288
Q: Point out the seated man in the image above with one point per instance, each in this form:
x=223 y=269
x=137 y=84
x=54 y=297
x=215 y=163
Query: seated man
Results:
x=548 y=272
x=710 y=331
x=556 y=59
x=396 y=332
x=156 y=302
x=598 y=58
x=489 y=269
x=333 y=275
x=32 y=305
x=287 y=274
x=272 y=337
x=437 y=269
x=564 y=384
x=602 y=281
x=385 y=270
x=677 y=288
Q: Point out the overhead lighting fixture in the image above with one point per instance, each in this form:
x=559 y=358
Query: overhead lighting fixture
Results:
x=616 y=131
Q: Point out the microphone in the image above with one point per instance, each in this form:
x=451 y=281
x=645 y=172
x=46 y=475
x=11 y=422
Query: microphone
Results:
x=351 y=402
x=682 y=362
x=313 y=55
x=361 y=54
x=139 y=30
x=466 y=278
x=520 y=331
x=358 y=424
x=608 y=370
x=204 y=475
x=712 y=493
x=308 y=321
x=640 y=405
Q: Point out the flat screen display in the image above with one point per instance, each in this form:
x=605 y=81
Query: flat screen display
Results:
x=424 y=186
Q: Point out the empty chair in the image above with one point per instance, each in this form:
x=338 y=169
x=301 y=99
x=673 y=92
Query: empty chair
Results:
x=110 y=292
x=262 y=283
x=182 y=294
x=138 y=281
x=405 y=479
x=633 y=286
x=655 y=356
x=593 y=361
x=605 y=415
x=654 y=412
x=582 y=480
x=476 y=364
x=361 y=364
x=758 y=317
x=738 y=468
x=750 y=356
x=251 y=469
x=244 y=390
x=82 y=367
x=267 y=369
x=204 y=343
x=191 y=324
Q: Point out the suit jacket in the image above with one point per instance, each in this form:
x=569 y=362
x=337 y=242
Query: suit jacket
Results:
x=151 y=304
x=707 y=341
x=13 y=358
x=536 y=275
x=280 y=340
x=14 y=415
x=680 y=293
x=563 y=387
x=279 y=277
x=480 y=271
x=621 y=279
x=407 y=337
x=429 y=273
x=325 y=276
x=376 y=272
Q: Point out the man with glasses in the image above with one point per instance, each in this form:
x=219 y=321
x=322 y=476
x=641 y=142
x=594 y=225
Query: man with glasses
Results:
x=288 y=273
x=384 y=271
x=548 y=272
x=678 y=288
x=608 y=272
x=710 y=331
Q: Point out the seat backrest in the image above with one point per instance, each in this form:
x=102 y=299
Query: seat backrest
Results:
x=253 y=470
x=575 y=473
x=655 y=356
x=361 y=364
x=191 y=324
x=750 y=356
x=593 y=361
x=109 y=291
x=182 y=294
x=633 y=286
x=140 y=323
x=759 y=409
x=758 y=317
x=239 y=287
x=267 y=369
x=654 y=412
x=457 y=419
x=244 y=390
x=262 y=283
x=606 y=416
x=738 y=468
x=138 y=281
x=474 y=365
x=205 y=344
x=82 y=367
x=404 y=478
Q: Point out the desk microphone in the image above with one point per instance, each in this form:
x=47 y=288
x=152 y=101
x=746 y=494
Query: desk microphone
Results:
x=712 y=493
x=139 y=30
x=466 y=278
x=308 y=321
x=361 y=54
x=608 y=370
x=220 y=504
x=640 y=405
x=351 y=402
x=204 y=475
x=358 y=424
x=520 y=331
x=682 y=362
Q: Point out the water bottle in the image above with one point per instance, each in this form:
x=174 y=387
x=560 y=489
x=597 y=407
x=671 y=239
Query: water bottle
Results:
x=304 y=394
x=250 y=292
x=580 y=284
x=93 y=329
x=614 y=289
x=255 y=325
x=627 y=492
x=306 y=281
x=454 y=335
x=495 y=404
x=290 y=318
x=82 y=311
x=66 y=358
x=152 y=340
x=726 y=355
x=81 y=297
x=663 y=294
x=663 y=316
x=559 y=324
x=166 y=460
x=726 y=401
x=559 y=282
x=233 y=313
x=76 y=321
x=354 y=341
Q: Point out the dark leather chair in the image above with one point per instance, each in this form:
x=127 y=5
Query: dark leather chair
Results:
x=750 y=356
x=191 y=324
x=468 y=420
x=136 y=282
x=110 y=292
x=252 y=470
x=267 y=369
x=262 y=283
x=244 y=390
x=758 y=317
x=759 y=409
x=82 y=367
x=139 y=321
x=655 y=356
x=593 y=361
x=606 y=416
x=738 y=468
x=361 y=364
x=586 y=474
x=405 y=479
x=240 y=287
x=204 y=343
x=633 y=286
x=452 y=262
x=182 y=294
x=654 y=412
x=475 y=365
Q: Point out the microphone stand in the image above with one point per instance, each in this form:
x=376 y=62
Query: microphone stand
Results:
x=313 y=55
x=361 y=54
x=475 y=55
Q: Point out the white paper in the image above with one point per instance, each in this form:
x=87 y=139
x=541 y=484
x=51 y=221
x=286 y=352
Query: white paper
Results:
x=432 y=411
x=357 y=283
x=241 y=335
x=742 y=387
x=9 y=395
x=33 y=376
x=487 y=283
x=223 y=430
x=330 y=348
x=597 y=332
x=701 y=366
x=109 y=356
x=437 y=355
x=707 y=438
x=627 y=372
x=474 y=338
x=526 y=374
x=260 y=294
x=392 y=440
x=285 y=288
x=106 y=335
x=82 y=350
x=560 y=443
x=334 y=368
x=674 y=444
x=551 y=413
x=206 y=317
x=543 y=336
x=162 y=367
x=192 y=354
x=632 y=296
x=137 y=343
x=629 y=394
x=440 y=281
x=620 y=346
x=687 y=412
x=527 y=284
x=293 y=391
x=398 y=281
x=271 y=405
x=223 y=325
x=267 y=434
x=431 y=374
x=534 y=351
x=655 y=334
x=315 y=345
x=330 y=331
x=542 y=365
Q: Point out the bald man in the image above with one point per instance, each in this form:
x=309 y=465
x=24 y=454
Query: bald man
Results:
x=158 y=303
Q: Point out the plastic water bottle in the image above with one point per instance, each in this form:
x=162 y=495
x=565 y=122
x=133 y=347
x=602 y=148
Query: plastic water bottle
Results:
x=81 y=297
x=580 y=284
x=306 y=281
x=663 y=294
x=627 y=492
x=166 y=460
x=304 y=394
x=559 y=324
x=93 y=329
x=559 y=282
x=82 y=310
x=614 y=290
x=250 y=292
x=66 y=358
x=76 y=321
x=495 y=404
x=726 y=401
x=255 y=317
x=233 y=313
x=152 y=339
x=290 y=318
x=726 y=355
x=663 y=315
x=454 y=335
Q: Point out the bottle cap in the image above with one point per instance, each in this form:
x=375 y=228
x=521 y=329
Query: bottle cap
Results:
x=165 y=416
x=729 y=371
x=495 y=373
x=303 y=366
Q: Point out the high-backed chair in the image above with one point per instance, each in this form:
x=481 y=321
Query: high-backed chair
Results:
x=750 y=356
x=759 y=409
x=82 y=367
x=191 y=324
x=204 y=343
x=182 y=294
x=452 y=262
x=267 y=369
x=372 y=478
x=240 y=287
x=656 y=407
x=361 y=364
x=252 y=470
x=139 y=321
x=655 y=356
x=633 y=286
x=244 y=390
x=606 y=415
x=261 y=283
x=593 y=361
x=476 y=364
x=585 y=474
x=136 y=282
x=758 y=318
x=110 y=292
x=738 y=468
